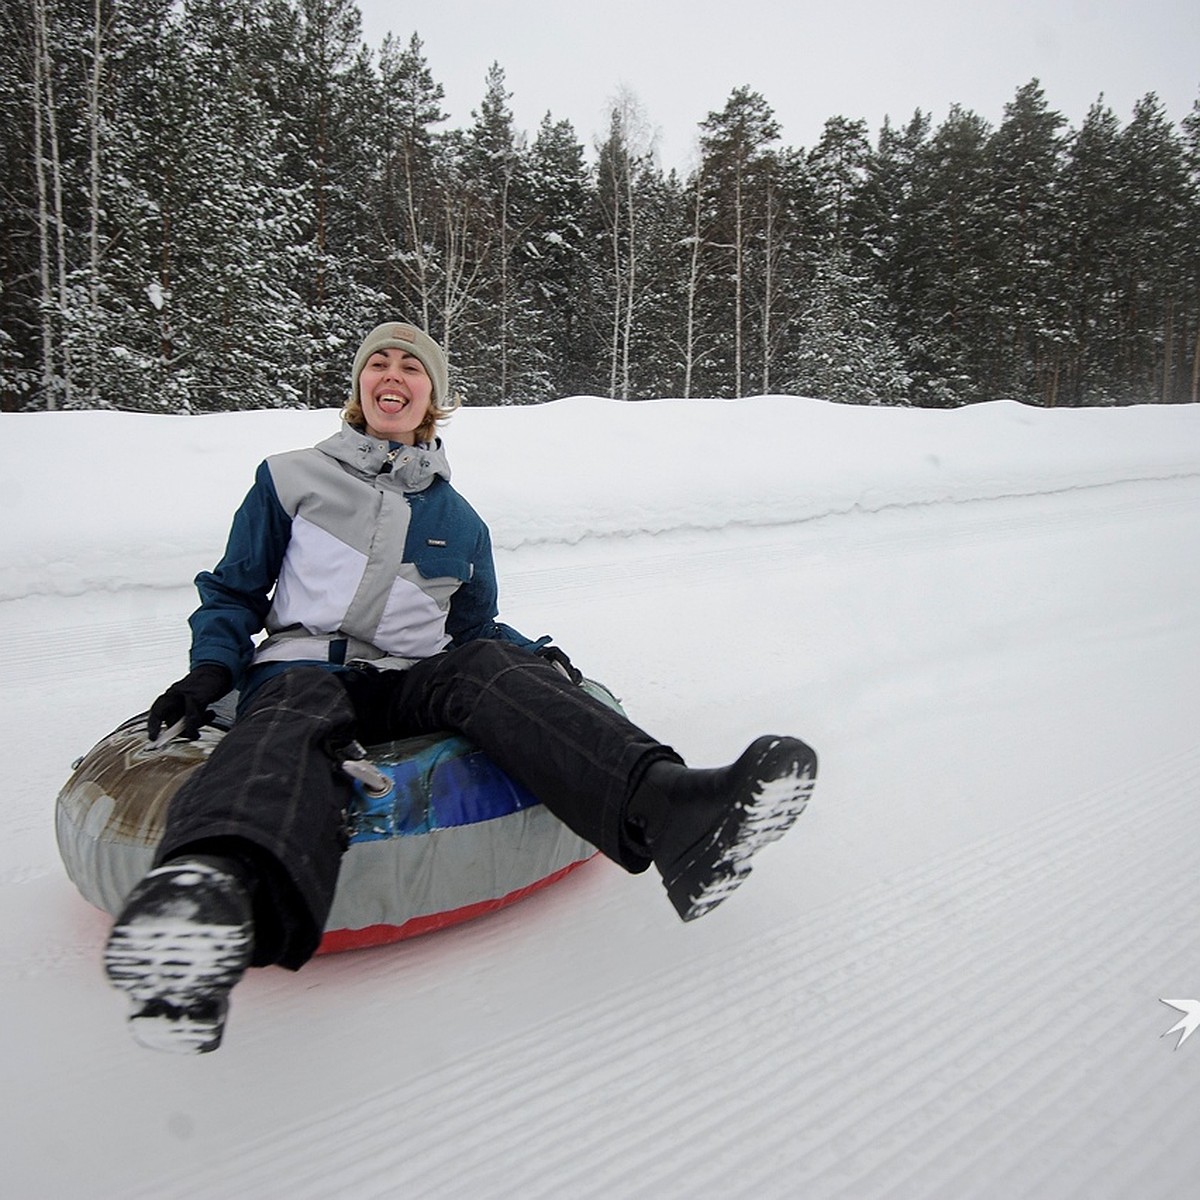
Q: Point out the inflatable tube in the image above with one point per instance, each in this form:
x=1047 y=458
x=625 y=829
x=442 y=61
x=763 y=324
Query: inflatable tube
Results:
x=453 y=838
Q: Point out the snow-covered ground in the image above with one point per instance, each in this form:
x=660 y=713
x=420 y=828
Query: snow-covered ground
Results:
x=945 y=982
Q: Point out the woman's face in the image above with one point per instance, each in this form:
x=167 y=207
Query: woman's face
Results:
x=395 y=391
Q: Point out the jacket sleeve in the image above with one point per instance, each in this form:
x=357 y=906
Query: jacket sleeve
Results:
x=235 y=596
x=474 y=607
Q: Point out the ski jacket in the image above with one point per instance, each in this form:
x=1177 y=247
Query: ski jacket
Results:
x=352 y=550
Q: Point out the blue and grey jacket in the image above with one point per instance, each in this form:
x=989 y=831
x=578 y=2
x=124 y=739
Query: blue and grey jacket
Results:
x=354 y=549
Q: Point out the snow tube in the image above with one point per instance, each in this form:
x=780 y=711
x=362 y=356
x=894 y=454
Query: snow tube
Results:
x=453 y=837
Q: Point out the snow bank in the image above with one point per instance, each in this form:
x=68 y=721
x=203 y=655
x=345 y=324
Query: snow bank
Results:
x=558 y=473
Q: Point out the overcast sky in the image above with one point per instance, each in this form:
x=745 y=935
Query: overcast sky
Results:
x=810 y=59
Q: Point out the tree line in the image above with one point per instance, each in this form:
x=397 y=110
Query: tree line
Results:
x=206 y=203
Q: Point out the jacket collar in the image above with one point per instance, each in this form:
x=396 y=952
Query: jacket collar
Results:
x=408 y=468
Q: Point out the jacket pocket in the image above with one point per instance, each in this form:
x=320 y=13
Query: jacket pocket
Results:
x=440 y=562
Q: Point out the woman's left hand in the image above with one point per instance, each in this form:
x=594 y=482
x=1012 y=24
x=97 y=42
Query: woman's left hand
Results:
x=552 y=654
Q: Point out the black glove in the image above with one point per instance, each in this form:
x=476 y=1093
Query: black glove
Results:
x=552 y=654
x=189 y=700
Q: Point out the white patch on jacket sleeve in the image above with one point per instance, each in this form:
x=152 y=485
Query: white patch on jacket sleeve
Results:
x=319 y=578
x=413 y=624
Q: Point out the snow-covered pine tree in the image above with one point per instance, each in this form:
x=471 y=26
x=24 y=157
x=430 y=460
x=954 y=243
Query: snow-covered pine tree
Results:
x=332 y=95
x=1190 y=326
x=555 y=257
x=1156 y=199
x=837 y=166
x=236 y=219
x=888 y=221
x=1091 y=269
x=843 y=348
x=141 y=172
x=500 y=360
x=951 y=303
x=1024 y=353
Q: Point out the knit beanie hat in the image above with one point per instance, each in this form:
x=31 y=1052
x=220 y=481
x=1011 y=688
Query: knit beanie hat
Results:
x=396 y=335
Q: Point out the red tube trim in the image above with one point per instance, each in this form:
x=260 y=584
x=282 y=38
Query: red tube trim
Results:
x=336 y=940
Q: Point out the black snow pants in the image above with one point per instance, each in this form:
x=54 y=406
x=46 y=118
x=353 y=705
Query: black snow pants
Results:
x=273 y=791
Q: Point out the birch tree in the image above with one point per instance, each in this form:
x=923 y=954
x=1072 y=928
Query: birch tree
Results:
x=52 y=230
x=624 y=155
x=410 y=107
x=734 y=143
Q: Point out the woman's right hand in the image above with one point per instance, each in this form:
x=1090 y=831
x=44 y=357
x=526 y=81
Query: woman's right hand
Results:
x=188 y=700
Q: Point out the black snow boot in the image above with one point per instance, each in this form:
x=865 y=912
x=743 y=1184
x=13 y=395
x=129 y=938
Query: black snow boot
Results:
x=701 y=827
x=183 y=939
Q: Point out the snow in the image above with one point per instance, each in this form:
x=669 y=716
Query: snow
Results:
x=944 y=981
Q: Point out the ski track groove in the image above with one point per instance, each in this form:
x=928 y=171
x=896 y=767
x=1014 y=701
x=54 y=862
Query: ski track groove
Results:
x=409 y=1181
x=901 y=1021
x=1053 y=1159
x=856 y=1109
x=1030 y=1086
x=853 y=1112
x=1123 y=1174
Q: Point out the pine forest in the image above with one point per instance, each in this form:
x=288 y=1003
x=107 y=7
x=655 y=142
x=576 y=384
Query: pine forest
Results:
x=207 y=203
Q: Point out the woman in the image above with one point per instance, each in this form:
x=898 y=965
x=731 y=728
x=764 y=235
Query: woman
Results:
x=374 y=581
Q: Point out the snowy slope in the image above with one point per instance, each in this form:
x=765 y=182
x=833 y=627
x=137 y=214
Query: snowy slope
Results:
x=944 y=982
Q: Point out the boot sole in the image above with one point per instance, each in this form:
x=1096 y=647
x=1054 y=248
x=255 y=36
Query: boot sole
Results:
x=785 y=771
x=177 y=972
